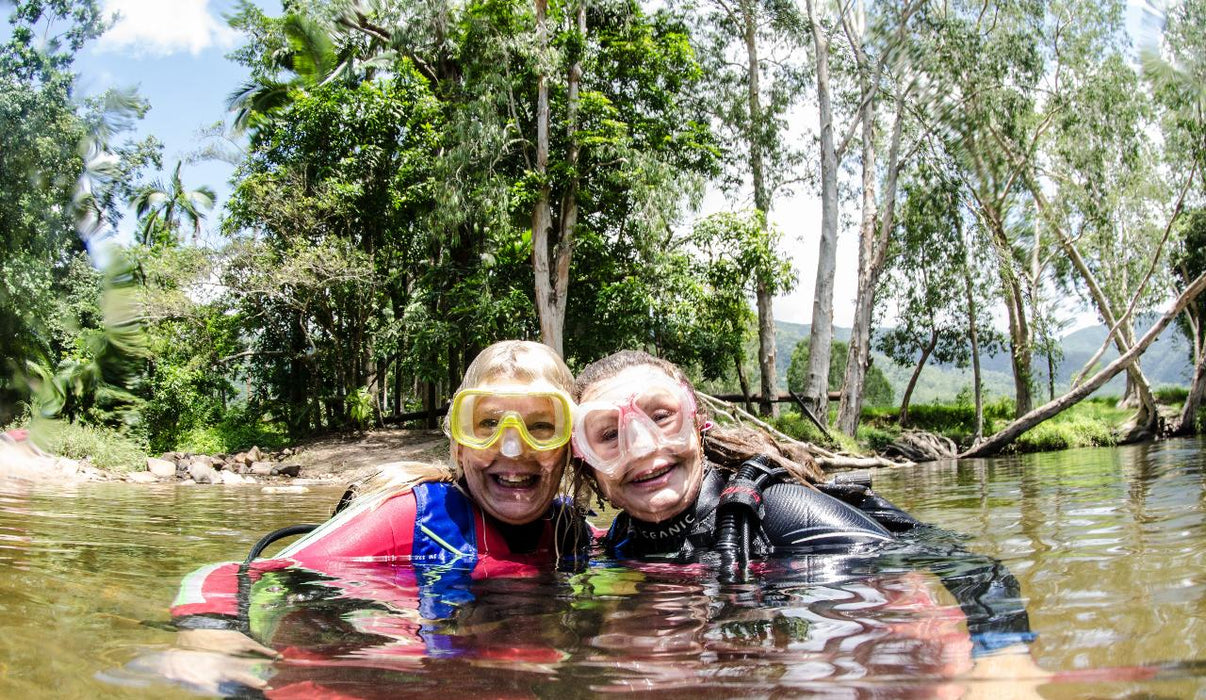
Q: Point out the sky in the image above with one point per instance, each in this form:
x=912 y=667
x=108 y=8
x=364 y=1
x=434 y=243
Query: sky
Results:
x=174 y=52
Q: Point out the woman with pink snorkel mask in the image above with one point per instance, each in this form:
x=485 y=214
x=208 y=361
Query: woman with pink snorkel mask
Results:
x=686 y=489
x=638 y=429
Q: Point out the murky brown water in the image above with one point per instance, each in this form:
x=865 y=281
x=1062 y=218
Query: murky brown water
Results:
x=1109 y=547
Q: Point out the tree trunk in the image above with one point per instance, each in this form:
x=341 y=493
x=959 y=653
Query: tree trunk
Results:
x=1187 y=423
x=816 y=387
x=429 y=404
x=762 y=202
x=551 y=322
x=744 y=381
x=1010 y=433
x=1020 y=346
x=872 y=254
x=974 y=337
x=1138 y=387
x=903 y=418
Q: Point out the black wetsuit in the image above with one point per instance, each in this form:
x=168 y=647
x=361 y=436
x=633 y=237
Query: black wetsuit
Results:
x=839 y=518
x=798 y=519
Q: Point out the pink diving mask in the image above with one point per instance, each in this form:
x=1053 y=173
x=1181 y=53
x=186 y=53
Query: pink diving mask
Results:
x=649 y=416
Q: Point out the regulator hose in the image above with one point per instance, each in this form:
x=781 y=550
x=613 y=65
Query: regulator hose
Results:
x=275 y=535
x=738 y=514
x=243 y=594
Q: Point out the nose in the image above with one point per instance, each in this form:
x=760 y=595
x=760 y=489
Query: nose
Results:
x=511 y=446
x=640 y=440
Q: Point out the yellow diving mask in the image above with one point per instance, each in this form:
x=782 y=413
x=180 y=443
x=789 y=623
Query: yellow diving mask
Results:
x=511 y=417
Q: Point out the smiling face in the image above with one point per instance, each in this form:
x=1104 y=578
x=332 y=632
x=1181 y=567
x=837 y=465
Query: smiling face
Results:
x=662 y=466
x=510 y=479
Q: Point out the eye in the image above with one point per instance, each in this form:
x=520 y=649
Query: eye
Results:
x=606 y=436
x=488 y=423
x=541 y=429
x=662 y=416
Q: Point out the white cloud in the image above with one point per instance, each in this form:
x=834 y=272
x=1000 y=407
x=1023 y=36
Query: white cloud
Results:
x=164 y=27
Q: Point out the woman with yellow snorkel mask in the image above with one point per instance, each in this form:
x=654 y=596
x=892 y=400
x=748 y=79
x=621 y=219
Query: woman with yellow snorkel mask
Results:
x=492 y=512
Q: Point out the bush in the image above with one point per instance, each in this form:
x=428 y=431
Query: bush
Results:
x=797 y=426
x=239 y=430
x=876 y=438
x=1076 y=431
x=105 y=448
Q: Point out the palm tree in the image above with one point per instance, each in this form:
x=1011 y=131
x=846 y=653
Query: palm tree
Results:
x=161 y=209
x=318 y=53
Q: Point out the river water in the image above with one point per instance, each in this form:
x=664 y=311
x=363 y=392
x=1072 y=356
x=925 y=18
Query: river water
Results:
x=1108 y=545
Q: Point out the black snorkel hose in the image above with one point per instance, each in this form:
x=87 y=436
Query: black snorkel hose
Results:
x=737 y=516
x=244 y=576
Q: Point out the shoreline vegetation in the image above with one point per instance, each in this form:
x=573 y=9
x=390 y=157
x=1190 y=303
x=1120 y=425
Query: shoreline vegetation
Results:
x=341 y=456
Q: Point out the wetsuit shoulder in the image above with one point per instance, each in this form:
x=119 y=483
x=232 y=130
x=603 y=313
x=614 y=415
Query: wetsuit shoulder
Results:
x=801 y=519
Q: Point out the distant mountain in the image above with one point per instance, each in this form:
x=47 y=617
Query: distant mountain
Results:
x=1166 y=363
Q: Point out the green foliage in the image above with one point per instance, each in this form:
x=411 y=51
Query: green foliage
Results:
x=361 y=407
x=104 y=447
x=1068 y=431
x=1171 y=394
x=877 y=390
x=239 y=429
x=59 y=174
x=797 y=426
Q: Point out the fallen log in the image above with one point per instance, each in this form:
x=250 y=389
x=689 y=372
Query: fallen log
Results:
x=994 y=443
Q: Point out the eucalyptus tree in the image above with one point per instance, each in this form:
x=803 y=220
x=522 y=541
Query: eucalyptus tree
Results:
x=609 y=137
x=1092 y=178
x=868 y=52
x=886 y=63
x=930 y=282
x=752 y=81
x=1177 y=74
x=739 y=258
x=987 y=64
x=1189 y=261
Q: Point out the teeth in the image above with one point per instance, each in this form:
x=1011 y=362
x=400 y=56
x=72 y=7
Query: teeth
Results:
x=654 y=474
x=515 y=479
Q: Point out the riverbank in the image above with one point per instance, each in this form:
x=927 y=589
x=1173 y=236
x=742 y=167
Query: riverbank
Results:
x=1095 y=422
x=71 y=453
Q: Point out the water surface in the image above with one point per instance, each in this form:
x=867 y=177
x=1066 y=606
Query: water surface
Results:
x=1109 y=546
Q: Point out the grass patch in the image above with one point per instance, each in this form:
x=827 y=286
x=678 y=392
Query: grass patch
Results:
x=105 y=448
x=1171 y=394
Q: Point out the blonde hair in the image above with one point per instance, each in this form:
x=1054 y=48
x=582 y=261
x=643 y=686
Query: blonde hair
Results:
x=521 y=361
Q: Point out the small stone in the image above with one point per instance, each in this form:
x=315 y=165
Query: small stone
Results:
x=230 y=478
x=255 y=454
x=141 y=477
x=161 y=468
x=287 y=470
x=262 y=468
x=203 y=474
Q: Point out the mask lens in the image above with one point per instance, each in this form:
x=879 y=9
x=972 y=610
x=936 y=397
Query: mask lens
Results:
x=540 y=419
x=654 y=414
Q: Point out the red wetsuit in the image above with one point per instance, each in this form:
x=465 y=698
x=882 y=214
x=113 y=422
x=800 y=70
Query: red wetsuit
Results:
x=433 y=524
